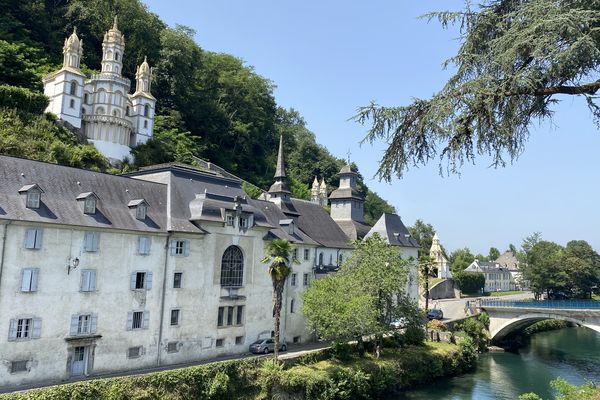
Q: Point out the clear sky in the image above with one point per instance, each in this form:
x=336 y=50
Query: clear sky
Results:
x=329 y=57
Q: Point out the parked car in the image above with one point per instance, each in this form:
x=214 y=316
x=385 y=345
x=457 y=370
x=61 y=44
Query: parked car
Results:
x=399 y=323
x=266 y=346
x=435 y=313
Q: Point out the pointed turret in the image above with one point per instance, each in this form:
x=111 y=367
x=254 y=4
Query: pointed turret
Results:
x=113 y=48
x=314 y=191
x=323 y=188
x=143 y=78
x=72 y=51
x=280 y=187
x=441 y=262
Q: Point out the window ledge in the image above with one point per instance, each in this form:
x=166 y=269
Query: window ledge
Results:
x=91 y=336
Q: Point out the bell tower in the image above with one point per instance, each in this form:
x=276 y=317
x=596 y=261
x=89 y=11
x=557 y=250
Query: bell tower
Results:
x=113 y=48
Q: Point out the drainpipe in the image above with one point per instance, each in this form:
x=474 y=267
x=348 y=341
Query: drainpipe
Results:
x=162 y=300
x=4 y=235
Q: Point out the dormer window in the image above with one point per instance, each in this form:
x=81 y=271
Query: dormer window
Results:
x=229 y=219
x=90 y=201
x=141 y=208
x=243 y=222
x=33 y=195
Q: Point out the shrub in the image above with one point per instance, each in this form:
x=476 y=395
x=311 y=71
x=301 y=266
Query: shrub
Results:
x=437 y=325
x=469 y=282
x=414 y=335
x=341 y=351
x=484 y=318
x=23 y=100
x=475 y=330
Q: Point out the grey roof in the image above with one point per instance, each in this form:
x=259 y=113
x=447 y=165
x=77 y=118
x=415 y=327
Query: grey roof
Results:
x=275 y=216
x=27 y=188
x=347 y=169
x=280 y=170
x=85 y=195
x=353 y=229
x=316 y=222
x=63 y=185
x=485 y=266
x=509 y=260
x=188 y=185
x=136 y=202
x=345 y=193
x=392 y=230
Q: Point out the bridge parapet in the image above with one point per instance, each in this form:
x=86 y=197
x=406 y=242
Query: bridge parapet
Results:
x=541 y=304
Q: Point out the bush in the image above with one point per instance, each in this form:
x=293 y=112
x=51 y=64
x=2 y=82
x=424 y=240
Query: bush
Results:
x=437 y=325
x=469 y=282
x=484 y=318
x=413 y=336
x=23 y=100
x=475 y=330
x=341 y=351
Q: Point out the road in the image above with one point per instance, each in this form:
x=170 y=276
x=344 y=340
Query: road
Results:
x=455 y=308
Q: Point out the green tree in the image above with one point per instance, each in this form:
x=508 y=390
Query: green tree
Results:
x=423 y=234
x=278 y=254
x=469 y=282
x=425 y=265
x=493 y=254
x=544 y=269
x=581 y=264
x=460 y=259
x=515 y=61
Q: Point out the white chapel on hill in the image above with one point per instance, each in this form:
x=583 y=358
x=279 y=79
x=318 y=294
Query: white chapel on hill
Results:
x=101 y=106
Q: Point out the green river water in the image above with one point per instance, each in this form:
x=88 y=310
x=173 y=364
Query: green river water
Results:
x=572 y=353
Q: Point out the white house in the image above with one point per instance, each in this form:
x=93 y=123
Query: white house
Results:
x=497 y=277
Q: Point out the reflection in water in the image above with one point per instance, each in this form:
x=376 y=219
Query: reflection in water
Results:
x=572 y=353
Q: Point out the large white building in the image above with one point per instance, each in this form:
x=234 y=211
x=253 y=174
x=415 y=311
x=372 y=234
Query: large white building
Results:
x=102 y=273
x=101 y=106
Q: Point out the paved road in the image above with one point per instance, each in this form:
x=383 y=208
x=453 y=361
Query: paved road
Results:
x=455 y=308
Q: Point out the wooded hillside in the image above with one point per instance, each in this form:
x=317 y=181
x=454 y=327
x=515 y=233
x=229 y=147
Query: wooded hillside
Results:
x=210 y=105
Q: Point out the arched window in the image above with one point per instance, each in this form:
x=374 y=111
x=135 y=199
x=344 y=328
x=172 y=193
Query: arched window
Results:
x=109 y=55
x=72 y=103
x=86 y=98
x=117 y=97
x=100 y=110
x=116 y=69
x=73 y=89
x=232 y=267
x=145 y=124
x=117 y=56
x=101 y=96
x=146 y=110
x=127 y=111
x=117 y=113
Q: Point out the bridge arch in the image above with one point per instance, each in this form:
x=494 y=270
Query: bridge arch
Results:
x=499 y=328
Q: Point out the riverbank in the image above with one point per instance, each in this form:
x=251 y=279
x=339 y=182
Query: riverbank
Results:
x=314 y=376
x=518 y=340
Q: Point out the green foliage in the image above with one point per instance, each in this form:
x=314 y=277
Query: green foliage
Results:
x=363 y=297
x=20 y=65
x=251 y=190
x=567 y=391
x=460 y=259
x=484 y=318
x=493 y=254
x=24 y=101
x=299 y=189
x=546 y=325
x=38 y=138
x=413 y=335
x=515 y=59
x=375 y=206
x=423 y=234
x=476 y=331
x=469 y=282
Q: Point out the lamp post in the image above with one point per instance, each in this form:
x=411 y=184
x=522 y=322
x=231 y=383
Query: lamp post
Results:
x=72 y=264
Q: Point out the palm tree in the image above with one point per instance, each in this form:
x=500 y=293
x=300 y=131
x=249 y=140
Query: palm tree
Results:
x=278 y=253
x=426 y=264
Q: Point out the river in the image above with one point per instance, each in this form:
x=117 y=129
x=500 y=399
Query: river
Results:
x=571 y=353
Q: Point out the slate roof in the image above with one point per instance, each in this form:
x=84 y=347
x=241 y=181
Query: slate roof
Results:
x=354 y=229
x=62 y=185
x=346 y=193
x=277 y=218
x=485 y=266
x=392 y=230
x=508 y=260
x=316 y=222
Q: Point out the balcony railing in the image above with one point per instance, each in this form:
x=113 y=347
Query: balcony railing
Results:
x=543 y=304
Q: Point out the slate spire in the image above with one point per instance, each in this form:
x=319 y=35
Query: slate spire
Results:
x=280 y=170
x=280 y=188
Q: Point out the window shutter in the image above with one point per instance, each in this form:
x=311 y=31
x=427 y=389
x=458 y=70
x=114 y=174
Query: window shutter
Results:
x=34 y=279
x=83 y=284
x=186 y=248
x=87 y=241
x=148 y=283
x=38 y=238
x=132 y=282
x=173 y=246
x=95 y=241
x=30 y=238
x=74 y=323
x=92 y=280
x=146 y=320
x=36 y=332
x=25 y=280
x=129 y=320
x=94 y=323
x=12 y=330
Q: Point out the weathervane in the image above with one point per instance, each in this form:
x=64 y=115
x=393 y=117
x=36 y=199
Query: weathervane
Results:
x=348 y=153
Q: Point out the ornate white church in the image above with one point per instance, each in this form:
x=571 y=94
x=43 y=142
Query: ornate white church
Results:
x=101 y=106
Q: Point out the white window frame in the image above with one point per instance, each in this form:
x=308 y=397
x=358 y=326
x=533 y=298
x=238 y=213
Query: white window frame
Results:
x=180 y=247
x=229 y=219
x=141 y=211
x=305 y=279
x=180 y=279
x=33 y=199
x=244 y=222
x=88 y=280
x=293 y=279
x=144 y=322
x=306 y=254
x=83 y=324
x=177 y=312
x=89 y=205
x=24 y=328
x=146 y=282
x=29 y=279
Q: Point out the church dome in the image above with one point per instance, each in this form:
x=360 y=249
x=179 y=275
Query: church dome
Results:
x=73 y=43
x=114 y=35
x=144 y=67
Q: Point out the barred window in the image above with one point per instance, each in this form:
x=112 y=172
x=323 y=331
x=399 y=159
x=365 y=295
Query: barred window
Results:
x=232 y=267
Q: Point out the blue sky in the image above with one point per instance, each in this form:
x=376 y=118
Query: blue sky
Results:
x=329 y=57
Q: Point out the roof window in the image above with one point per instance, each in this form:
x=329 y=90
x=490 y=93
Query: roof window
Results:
x=141 y=208
x=33 y=195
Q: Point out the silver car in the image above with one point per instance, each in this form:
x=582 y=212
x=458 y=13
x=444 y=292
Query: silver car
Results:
x=266 y=346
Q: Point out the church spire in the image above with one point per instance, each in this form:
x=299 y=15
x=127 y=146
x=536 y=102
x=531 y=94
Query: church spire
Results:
x=72 y=51
x=280 y=187
x=143 y=77
x=113 y=47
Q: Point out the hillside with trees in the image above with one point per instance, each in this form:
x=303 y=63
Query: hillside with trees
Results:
x=210 y=105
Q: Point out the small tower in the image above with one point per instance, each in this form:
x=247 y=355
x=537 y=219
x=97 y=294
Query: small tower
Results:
x=346 y=202
x=64 y=88
x=280 y=191
x=113 y=48
x=314 y=192
x=143 y=103
x=323 y=193
x=441 y=262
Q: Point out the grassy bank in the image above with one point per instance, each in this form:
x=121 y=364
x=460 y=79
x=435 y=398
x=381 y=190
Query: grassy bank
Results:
x=316 y=376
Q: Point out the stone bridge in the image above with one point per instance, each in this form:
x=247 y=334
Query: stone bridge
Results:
x=509 y=316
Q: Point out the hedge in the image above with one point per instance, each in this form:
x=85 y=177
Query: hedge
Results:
x=23 y=100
